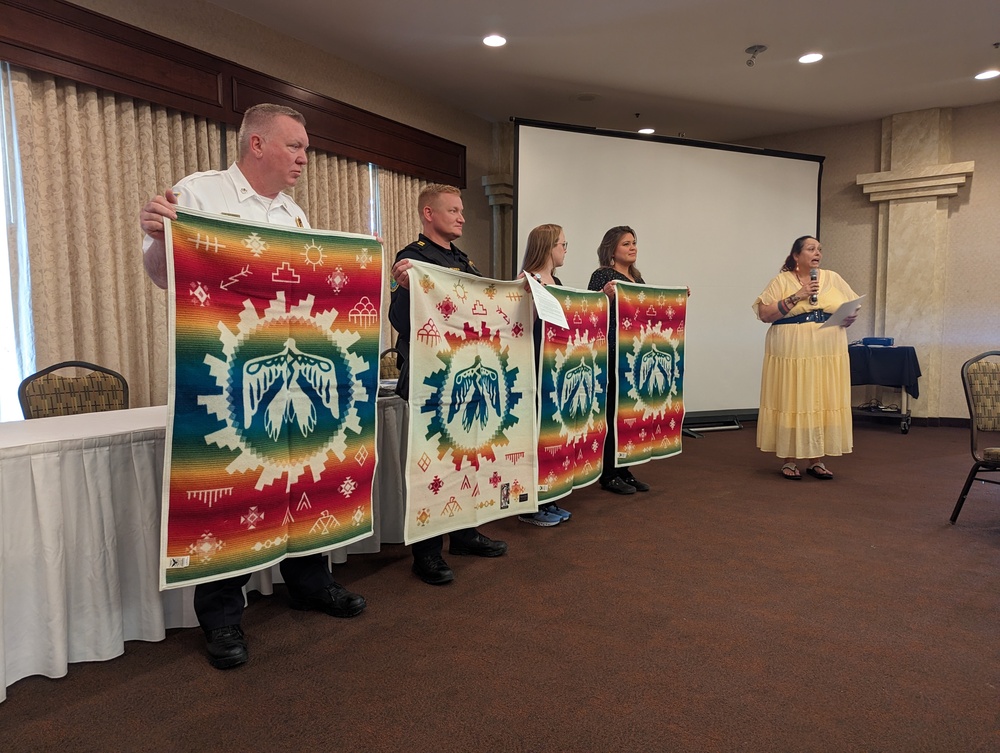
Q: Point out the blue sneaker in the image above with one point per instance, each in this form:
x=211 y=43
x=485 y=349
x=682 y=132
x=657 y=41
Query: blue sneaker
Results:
x=555 y=509
x=541 y=518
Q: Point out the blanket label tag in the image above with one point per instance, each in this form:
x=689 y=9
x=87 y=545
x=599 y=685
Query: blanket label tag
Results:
x=176 y=562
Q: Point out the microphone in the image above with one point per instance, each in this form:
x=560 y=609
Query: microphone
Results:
x=813 y=275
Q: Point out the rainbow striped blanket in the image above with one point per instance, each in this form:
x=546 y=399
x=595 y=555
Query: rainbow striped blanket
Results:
x=573 y=381
x=472 y=434
x=650 y=372
x=274 y=376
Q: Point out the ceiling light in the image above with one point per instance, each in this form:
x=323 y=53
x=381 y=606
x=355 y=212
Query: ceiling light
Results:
x=494 y=40
x=812 y=57
x=987 y=74
x=753 y=51
x=647 y=131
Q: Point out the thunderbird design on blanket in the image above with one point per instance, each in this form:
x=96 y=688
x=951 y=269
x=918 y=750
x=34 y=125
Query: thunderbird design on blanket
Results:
x=650 y=360
x=274 y=374
x=471 y=452
x=573 y=380
x=286 y=368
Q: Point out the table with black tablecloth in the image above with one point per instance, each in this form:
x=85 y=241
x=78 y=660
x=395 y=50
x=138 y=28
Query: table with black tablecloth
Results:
x=888 y=366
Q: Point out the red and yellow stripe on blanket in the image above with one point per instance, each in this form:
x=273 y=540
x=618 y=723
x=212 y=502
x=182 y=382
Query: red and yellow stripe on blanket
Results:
x=650 y=372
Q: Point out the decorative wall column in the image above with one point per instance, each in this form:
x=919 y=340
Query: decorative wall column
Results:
x=914 y=188
x=500 y=190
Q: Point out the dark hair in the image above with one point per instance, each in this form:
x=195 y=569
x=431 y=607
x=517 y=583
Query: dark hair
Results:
x=790 y=261
x=606 y=251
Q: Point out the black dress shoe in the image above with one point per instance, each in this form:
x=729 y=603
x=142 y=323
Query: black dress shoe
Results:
x=478 y=545
x=335 y=600
x=431 y=568
x=618 y=486
x=227 y=647
x=628 y=478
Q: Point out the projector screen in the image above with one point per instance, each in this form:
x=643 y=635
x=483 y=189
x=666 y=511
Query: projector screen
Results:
x=719 y=219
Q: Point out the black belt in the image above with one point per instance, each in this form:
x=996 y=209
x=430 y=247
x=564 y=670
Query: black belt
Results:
x=813 y=316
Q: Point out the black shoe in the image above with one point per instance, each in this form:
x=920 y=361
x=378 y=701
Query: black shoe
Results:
x=618 y=486
x=479 y=545
x=227 y=647
x=431 y=568
x=628 y=478
x=335 y=600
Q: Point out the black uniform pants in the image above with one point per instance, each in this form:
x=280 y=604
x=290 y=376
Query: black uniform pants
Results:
x=220 y=603
x=435 y=544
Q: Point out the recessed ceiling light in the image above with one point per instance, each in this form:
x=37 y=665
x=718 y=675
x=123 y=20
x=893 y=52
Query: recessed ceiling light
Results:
x=494 y=40
x=647 y=131
x=987 y=74
x=812 y=57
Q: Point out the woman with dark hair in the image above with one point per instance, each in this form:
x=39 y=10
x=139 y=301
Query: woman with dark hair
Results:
x=545 y=252
x=616 y=255
x=805 y=389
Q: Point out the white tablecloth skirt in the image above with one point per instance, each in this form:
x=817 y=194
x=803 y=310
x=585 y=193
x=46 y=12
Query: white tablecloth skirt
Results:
x=80 y=522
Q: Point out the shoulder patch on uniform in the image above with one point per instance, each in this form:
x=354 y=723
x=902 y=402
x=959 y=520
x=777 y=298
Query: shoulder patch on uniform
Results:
x=393 y=284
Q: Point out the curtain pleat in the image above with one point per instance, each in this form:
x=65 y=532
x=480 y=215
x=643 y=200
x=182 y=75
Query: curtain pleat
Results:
x=399 y=226
x=335 y=193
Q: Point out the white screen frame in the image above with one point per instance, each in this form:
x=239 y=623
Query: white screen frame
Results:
x=717 y=218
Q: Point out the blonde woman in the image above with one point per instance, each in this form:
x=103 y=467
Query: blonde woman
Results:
x=544 y=254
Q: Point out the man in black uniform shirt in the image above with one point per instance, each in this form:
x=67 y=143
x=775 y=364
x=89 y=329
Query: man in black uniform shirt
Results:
x=441 y=215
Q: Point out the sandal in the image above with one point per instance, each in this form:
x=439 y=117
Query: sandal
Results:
x=818 y=470
x=789 y=471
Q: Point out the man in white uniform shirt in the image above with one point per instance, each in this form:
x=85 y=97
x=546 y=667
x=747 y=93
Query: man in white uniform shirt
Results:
x=272 y=155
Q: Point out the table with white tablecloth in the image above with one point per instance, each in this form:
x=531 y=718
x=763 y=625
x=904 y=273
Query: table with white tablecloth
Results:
x=80 y=527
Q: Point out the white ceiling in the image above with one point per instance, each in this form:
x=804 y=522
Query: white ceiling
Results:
x=679 y=63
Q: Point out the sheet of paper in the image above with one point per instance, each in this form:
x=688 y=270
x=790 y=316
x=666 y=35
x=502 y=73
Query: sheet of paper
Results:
x=846 y=309
x=548 y=308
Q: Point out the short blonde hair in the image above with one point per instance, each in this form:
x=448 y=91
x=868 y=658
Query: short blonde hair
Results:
x=431 y=191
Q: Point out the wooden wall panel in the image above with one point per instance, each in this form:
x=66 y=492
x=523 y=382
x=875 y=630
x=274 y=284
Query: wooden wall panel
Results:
x=65 y=40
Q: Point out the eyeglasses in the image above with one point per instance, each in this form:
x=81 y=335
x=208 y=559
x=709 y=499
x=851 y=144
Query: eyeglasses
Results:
x=564 y=244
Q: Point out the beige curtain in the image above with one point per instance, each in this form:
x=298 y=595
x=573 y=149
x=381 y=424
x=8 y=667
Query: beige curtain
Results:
x=335 y=193
x=89 y=161
x=399 y=225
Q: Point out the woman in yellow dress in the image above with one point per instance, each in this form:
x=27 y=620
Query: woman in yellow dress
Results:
x=805 y=390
